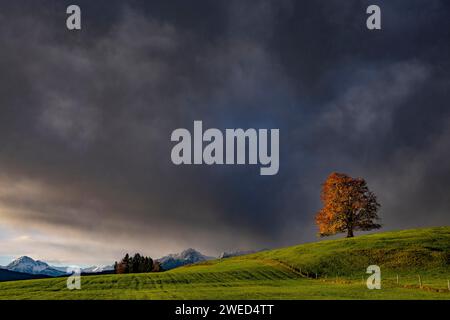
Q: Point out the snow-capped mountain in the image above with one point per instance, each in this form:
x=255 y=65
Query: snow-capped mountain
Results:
x=62 y=269
x=95 y=269
x=188 y=256
x=92 y=269
x=28 y=265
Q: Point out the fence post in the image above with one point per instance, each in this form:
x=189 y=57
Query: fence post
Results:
x=420 y=281
x=397 y=279
x=448 y=285
x=362 y=280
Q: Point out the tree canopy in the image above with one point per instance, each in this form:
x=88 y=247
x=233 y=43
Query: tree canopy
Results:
x=348 y=205
x=136 y=264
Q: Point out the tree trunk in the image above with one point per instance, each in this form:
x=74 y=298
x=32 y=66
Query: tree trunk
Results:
x=349 y=233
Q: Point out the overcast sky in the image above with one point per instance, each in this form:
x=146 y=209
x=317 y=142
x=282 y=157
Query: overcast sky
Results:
x=86 y=118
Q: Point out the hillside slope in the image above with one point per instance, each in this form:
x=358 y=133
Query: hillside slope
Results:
x=287 y=273
x=408 y=250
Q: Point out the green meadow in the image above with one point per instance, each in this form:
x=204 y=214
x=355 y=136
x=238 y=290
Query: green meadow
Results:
x=330 y=269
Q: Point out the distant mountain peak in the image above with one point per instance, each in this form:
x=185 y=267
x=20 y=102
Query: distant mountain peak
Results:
x=24 y=259
x=185 y=257
x=95 y=269
x=189 y=250
x=190 y=253
x=28 y=265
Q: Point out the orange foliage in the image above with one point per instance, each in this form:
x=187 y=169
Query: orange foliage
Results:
x=348 y=205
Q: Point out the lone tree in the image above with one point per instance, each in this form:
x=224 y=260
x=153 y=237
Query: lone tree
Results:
x=348 y=205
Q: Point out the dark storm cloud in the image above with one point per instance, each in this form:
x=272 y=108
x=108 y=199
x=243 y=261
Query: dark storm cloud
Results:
x=85 y=117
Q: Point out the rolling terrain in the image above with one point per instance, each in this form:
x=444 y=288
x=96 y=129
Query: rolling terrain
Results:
x=332 y=269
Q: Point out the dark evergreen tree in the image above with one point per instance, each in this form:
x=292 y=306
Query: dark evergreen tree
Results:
x=136 y=264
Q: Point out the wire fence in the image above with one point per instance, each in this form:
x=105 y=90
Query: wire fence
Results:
x=430 y=282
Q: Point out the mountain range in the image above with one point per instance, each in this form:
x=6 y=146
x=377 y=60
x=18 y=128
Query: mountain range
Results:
x=190 y=256
x=28 y=268
x=27 y=265
x=183 y=258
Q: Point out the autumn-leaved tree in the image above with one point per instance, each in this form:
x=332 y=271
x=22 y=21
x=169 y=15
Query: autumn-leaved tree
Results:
x=348 y=205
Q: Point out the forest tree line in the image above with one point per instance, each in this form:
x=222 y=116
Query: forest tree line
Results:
x=136 y=264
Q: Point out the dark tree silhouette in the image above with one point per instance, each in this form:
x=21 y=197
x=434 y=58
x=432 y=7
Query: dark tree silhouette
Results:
x=135 y=264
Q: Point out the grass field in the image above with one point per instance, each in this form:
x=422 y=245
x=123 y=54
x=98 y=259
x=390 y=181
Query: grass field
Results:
x=333 y=269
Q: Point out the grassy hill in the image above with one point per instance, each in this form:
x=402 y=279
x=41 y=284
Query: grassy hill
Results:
x=333 y=269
